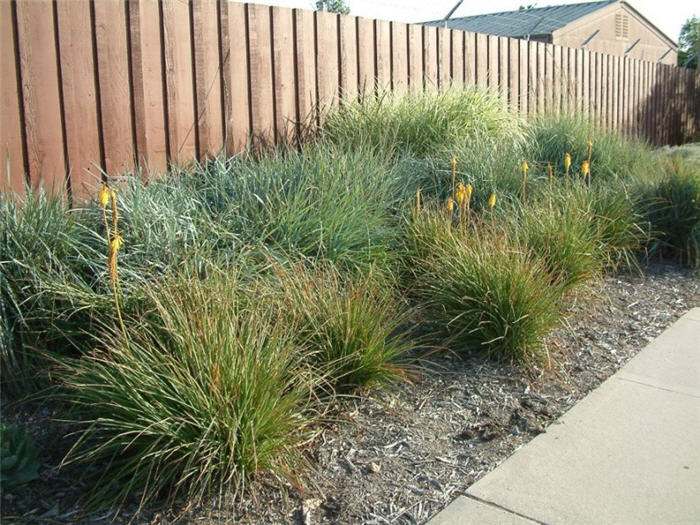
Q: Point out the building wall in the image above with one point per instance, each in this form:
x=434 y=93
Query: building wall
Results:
x=614 y=37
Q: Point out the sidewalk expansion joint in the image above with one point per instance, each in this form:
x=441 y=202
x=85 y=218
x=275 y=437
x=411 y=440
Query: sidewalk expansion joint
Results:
x=501 y=507
x=656 y=387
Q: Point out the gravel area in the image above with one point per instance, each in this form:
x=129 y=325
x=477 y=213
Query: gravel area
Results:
x=401 y=454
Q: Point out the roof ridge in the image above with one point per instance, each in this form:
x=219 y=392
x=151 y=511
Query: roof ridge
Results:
x=531 y=9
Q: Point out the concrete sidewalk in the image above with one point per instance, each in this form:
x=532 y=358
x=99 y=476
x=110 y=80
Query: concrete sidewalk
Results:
x=627 y=453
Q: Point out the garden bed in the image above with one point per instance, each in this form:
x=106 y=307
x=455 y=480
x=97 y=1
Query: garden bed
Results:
x=400 y=454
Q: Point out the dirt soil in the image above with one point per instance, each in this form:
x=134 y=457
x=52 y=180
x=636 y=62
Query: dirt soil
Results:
x=401 y=454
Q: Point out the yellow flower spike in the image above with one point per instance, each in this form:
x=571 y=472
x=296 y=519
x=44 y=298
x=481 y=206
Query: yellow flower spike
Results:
x=469 y=190
x=524 y=167
x=115 y=212
x=567 y=163
x=492 y=201
x=450 y=205
x=417 y=201
x=590 y=151
x=454 y=172
x=585 y=169
x=114 y=245
x=461 y=194
x=103 y=196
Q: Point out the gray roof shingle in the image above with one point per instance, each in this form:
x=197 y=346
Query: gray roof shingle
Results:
x=535 y=21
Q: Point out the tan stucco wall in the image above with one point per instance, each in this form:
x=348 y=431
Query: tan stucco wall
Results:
x=650 y=47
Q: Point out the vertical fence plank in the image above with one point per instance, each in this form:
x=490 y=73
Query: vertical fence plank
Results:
x=540 y=77
x=644 y=100
x=458 y=57
x=522 y=82
x=79 y=96
x=11 y=139
x=470 y=58
x=430 y=69
x=207 y=77
x=532 y=77
x=564 y=79
x=604 y=83
x=481 y=51
x=262 y=99
x=40 y=89
x=492 y=64
x=235 y=59
x=503 y=62
x=365 y=50
x=327 y=65
x=634 y=87
x=399 y=57
x=625 y=95
x=549 y=78
x=652 y=104
x=306 y=66
x=348 y=57
x=586 y=81
x=285 y=88
x=556 y=77
x=415 y=58
x=179 y=81
x=615 y=93
x=579 y=80
x=513 y=72
x=383 y=50
x=147 y=77
x=571 y=80
x=443 y=50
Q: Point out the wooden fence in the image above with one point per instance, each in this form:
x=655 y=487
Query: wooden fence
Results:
x=97 y=87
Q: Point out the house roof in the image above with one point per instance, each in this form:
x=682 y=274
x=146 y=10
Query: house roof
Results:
x=533 y=21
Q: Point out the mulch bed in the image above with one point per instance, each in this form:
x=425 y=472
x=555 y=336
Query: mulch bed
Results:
x=400 y=454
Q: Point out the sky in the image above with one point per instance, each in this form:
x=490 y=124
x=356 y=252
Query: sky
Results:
x=667 y=15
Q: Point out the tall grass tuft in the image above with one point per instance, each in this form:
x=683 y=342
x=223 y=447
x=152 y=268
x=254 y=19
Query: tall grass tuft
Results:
x=42 y=243
x=206 y=391
x=612 y=155
x=482 y=292
x=355 y=324
x=672 y=204
x=422 y=125
x=320 y=202
x=560 y=234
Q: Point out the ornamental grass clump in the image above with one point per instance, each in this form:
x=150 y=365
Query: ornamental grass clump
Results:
x=422 y=125
x=565 y=140
x=44 y=247
x=671 y=203
x=207 y=390
x=481 y=292
x=355 y=326
x=560 y=235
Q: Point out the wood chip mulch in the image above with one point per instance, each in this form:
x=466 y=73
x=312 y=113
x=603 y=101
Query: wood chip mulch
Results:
x=401 y=454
